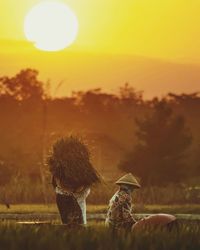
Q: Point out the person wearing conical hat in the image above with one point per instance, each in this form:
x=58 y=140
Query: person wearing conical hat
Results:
x=119 y=213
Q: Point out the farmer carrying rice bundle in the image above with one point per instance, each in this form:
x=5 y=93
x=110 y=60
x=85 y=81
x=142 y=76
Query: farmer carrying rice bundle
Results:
x=72 y=177
x=120 y=207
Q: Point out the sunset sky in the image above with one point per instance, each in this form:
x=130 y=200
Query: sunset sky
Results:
x=153 y=44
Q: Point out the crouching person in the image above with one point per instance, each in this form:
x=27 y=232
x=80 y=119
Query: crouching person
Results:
x=119 y=214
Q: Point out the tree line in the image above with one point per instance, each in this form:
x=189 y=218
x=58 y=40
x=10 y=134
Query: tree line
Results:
x=158 y=140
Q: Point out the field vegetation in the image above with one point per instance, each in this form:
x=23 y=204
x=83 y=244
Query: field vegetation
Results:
x=96 y=237
x=28 y=192
x=99 y=209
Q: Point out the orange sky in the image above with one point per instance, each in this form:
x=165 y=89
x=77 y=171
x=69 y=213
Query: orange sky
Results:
x=116 y=42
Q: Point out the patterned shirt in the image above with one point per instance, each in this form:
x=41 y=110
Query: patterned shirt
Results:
x=120 y=210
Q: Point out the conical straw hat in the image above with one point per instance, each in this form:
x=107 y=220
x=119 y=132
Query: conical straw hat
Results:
x=128 y=179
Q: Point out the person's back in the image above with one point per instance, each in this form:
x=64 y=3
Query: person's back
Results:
x=119 y=213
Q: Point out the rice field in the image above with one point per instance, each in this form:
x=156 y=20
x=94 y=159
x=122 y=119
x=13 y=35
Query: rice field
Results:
x=96 y=237
x=154 y=208
x=54 y=236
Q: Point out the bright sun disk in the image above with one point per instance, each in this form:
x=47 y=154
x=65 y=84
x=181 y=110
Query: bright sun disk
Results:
x=51 y=26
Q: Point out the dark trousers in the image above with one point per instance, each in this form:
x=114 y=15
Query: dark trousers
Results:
x=69 y=209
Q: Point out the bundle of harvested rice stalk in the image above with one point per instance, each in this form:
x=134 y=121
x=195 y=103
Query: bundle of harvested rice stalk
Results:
x=69 y=162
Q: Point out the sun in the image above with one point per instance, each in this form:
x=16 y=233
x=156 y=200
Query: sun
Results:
x=51 y=26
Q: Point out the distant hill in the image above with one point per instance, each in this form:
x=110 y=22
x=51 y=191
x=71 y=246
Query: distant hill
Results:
x=81 y=71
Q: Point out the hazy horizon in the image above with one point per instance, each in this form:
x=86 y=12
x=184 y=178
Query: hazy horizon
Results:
x=89 y=70
x=152 y=45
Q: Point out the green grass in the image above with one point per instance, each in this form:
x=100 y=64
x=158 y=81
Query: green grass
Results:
x=51 y=208
x=95 y=237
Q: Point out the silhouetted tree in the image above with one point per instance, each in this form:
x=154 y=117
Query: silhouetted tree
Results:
x=158 y=157
x=23 y=86
x=130 y=96
x=31 y=122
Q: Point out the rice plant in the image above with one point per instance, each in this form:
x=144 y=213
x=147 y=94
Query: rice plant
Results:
x=96 y=237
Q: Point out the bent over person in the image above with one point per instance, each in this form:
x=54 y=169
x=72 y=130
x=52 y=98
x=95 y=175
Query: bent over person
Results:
x=73 y=176
x=120 y=207
x=71 y=203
